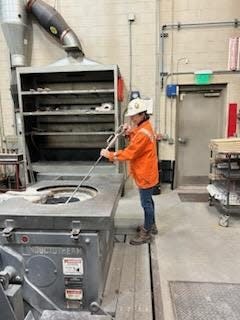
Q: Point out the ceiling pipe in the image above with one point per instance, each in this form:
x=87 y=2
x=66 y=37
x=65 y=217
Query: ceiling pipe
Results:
x=235 y=23
x=178 y=26
x=56 y=26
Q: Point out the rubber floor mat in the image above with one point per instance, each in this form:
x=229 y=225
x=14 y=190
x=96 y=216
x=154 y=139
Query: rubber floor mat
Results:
x=205 y=300
x=193 y=197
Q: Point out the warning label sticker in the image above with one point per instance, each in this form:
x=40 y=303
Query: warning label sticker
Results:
x=73 y=294
x=72 y=266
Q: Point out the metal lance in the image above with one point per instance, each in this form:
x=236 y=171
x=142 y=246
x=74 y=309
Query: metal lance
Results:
x=111 y=140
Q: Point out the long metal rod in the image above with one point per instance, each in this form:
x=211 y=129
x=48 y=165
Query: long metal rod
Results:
x=111 y=140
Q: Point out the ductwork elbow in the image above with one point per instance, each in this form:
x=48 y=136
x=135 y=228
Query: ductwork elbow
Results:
x=54 y=24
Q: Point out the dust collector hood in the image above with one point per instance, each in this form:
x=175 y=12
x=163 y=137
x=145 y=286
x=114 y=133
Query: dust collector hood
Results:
x=14 y=21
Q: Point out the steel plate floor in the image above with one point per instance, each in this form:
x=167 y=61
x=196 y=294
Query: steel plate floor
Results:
x=205 y=300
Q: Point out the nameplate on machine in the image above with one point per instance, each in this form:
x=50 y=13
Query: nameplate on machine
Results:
x=70 y=251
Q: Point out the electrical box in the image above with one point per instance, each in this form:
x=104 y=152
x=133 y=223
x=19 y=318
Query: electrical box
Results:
x=172 y=90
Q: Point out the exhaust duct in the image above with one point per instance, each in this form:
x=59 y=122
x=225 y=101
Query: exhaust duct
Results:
x=54 y=24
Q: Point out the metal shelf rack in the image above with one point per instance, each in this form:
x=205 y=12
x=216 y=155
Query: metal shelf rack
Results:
x=60 y=116
x=225 y=176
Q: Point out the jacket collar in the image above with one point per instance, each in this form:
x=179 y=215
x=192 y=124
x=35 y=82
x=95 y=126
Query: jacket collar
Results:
x=140 y=123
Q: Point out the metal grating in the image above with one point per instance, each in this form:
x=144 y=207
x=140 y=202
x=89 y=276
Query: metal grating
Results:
x=205 y=300
x=193 y=197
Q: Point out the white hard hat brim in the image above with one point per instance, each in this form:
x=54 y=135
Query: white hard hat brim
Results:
x=129 y=114
x=133 y=113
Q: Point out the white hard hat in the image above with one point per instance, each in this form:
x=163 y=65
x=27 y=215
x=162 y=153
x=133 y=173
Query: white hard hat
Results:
x=135 y=106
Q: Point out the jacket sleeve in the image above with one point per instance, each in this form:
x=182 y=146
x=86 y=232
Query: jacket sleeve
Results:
x=133 y=150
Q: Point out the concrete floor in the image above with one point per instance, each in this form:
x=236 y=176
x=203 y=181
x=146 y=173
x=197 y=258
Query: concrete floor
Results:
x=191 y=246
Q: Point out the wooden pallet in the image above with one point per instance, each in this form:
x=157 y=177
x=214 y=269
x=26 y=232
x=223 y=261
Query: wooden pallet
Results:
x=230 y=145
x=128 y=293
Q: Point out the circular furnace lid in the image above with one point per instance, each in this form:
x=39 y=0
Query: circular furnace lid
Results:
x=60 y=194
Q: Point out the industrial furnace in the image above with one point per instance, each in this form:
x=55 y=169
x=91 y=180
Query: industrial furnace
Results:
x=60 y=253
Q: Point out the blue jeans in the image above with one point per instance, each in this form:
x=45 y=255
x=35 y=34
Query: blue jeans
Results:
x=148 y=207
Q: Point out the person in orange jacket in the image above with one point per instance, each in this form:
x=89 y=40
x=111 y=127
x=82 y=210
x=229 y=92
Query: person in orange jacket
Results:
x=142 y=155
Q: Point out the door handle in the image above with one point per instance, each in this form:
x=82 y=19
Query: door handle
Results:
x=182 y=140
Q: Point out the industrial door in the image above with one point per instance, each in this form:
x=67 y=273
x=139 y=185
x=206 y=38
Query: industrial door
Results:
x=200 y=117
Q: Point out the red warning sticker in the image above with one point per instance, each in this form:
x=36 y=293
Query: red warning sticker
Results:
x=73 y=294
x=72 y=266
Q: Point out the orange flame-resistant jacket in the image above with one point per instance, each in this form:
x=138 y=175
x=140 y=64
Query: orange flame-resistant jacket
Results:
x=142 y=155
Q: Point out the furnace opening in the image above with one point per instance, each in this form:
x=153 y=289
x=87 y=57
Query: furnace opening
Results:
x=60 y=194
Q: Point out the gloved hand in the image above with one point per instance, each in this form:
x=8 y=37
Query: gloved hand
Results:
x=105 y=153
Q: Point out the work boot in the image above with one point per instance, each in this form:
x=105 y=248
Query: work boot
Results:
x=143 y=236
x=153 y=230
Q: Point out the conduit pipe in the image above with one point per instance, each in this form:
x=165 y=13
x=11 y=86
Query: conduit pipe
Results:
x=130 y=22
x=157 y=79
x=178 y=26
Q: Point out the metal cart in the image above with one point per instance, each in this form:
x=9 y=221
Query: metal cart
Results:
x=225 y=180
